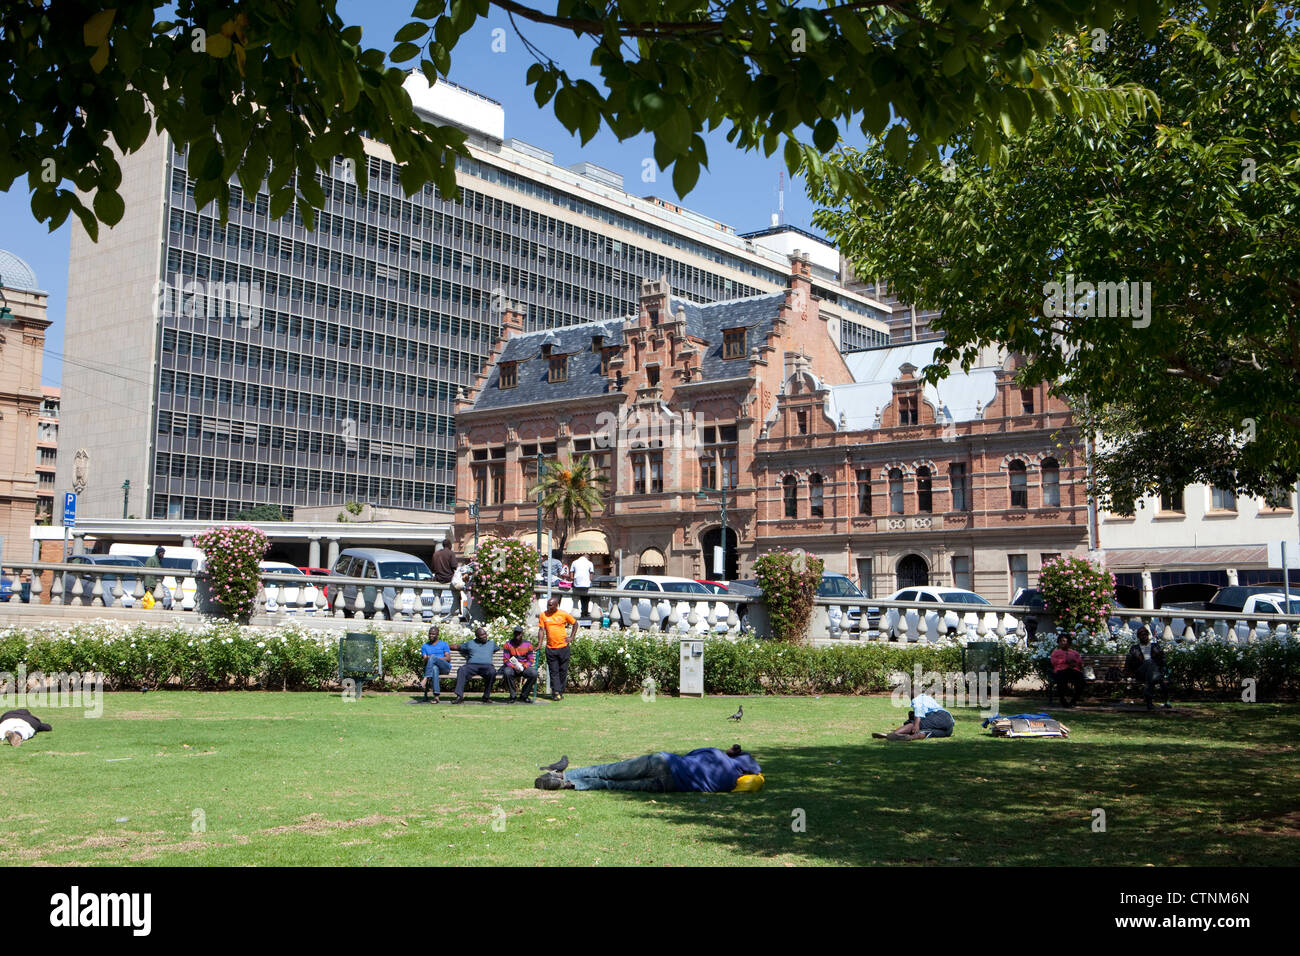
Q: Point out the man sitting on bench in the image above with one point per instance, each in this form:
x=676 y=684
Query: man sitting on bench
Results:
x=1146 y=661
x=479 y=664
x=1067 y=671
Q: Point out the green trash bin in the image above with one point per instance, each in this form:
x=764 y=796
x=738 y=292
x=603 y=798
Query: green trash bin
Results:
x=361 y=658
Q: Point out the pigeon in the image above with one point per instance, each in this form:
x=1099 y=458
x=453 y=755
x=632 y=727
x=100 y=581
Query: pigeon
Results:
x=740 y=712
x=558 y=766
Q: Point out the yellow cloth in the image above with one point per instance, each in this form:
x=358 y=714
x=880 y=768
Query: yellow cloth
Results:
x=749 y=783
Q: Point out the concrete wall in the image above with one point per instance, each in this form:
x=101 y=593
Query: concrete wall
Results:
x=110 y=343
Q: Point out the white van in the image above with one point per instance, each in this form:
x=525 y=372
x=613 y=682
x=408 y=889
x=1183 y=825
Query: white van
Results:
x=183 y=563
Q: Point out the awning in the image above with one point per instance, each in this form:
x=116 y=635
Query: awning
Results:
x=1167 y=559
x=587 y=542
x=651 y=558
x=530 y=539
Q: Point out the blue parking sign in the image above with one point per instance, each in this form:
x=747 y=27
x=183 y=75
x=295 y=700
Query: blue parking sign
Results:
x=70 y=510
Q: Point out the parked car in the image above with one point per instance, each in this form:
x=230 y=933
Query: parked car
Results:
x=321 y=573
x=655 y=607
x=889 y=623
x=289 y=596
x=384 y=565
x=840 y=586
x=127 y=581
x=1228 y=599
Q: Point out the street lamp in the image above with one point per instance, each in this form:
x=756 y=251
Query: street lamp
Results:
x=701 y=496
x=546 y=561
x=126 y=495
x=473 y=513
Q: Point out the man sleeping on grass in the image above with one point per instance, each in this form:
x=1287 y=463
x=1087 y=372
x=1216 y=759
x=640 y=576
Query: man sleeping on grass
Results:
x=706 y=770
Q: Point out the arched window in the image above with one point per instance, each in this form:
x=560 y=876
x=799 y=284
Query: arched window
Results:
x=912 y=572
x=790 y=492
x=816 y=508
x=1051 y=483
x=924 y=496
x=1019 y=485
x=895 y=491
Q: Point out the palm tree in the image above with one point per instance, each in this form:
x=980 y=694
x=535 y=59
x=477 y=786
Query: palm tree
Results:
x=570 y=491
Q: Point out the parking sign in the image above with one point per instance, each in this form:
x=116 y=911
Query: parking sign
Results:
x=70 y=510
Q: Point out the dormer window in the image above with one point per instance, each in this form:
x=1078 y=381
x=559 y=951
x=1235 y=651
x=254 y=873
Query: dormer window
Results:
x=508 y=375
x=605 y=356
x=907 y=412
x=733 y=344
x=559 y=369
x=654 y=316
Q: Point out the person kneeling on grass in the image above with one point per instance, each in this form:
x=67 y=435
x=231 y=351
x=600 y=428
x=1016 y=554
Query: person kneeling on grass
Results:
x=927 y=719
x=19 y=725
x=706 y=770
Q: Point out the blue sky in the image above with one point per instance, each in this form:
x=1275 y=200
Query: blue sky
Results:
x=738 y=188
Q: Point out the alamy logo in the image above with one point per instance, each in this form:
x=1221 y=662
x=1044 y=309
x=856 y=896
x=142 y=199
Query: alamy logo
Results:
x=64 y=689
x=1104 y=300
x=949 y=689
x=194 y=298
x=73 y=909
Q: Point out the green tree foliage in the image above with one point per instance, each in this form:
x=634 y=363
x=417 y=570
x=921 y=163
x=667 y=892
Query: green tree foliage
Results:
x=1200 y=202
x=275 y=91
x=570 y=491
x=261 y=513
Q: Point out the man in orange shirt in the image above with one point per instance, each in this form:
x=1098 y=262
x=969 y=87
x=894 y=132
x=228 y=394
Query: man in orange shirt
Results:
x=555 y=630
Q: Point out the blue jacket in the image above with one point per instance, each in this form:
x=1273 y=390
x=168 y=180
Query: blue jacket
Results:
x=710 y=770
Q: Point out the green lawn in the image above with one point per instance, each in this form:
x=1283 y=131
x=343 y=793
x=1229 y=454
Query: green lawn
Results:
x=303 y=779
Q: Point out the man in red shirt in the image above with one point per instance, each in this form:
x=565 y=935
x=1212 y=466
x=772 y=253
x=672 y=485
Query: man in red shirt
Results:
x=555 y=630
x=1067 y=672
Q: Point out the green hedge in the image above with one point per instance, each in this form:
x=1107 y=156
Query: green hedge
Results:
x=225 y=655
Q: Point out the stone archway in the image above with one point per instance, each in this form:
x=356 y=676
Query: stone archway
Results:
x=912 y=572
x=713 y=538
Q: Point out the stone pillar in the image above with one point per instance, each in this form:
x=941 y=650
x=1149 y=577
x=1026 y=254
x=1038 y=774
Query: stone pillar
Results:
x=78 y=542
x=333 y=552
x=36 y=550
x=1149 y=592
x=313 y=551
x=187 y=541
x=1232 y=577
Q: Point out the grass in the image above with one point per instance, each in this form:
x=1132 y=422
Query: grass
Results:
x=307 y=779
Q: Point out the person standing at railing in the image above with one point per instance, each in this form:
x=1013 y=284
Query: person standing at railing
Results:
x=582 y=570
x=155 y=561
x=444 y=571
x=555 y=629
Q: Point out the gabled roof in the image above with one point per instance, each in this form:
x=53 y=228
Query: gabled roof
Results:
x=704 y=322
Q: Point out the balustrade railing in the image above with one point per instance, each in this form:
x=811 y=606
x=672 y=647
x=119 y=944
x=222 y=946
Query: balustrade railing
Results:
x=282 y=596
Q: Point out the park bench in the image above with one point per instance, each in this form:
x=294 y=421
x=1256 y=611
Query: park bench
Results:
x=1108 y=675
x=448 y=680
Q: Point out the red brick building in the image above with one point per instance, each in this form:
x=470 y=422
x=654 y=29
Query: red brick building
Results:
x=814 y=448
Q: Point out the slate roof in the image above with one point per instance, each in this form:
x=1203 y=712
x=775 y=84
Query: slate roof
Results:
x=703 y=321
x=961 y=397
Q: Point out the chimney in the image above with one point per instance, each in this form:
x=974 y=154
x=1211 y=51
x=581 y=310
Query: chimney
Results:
x=512 y=319
x=654 y=300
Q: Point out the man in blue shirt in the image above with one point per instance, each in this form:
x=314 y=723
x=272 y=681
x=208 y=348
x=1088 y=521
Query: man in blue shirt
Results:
x=437 y=661
x=706 y=770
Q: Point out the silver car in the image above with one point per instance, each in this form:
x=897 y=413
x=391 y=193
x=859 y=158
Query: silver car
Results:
x=382 y=565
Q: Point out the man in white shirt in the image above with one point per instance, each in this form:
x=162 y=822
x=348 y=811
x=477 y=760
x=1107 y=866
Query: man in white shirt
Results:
x=926 y=720
x=19 y=725
x=582 y=570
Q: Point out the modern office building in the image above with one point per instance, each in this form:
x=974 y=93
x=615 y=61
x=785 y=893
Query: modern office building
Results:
x=22 y=349
x=907 y=322
x=220 y=366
